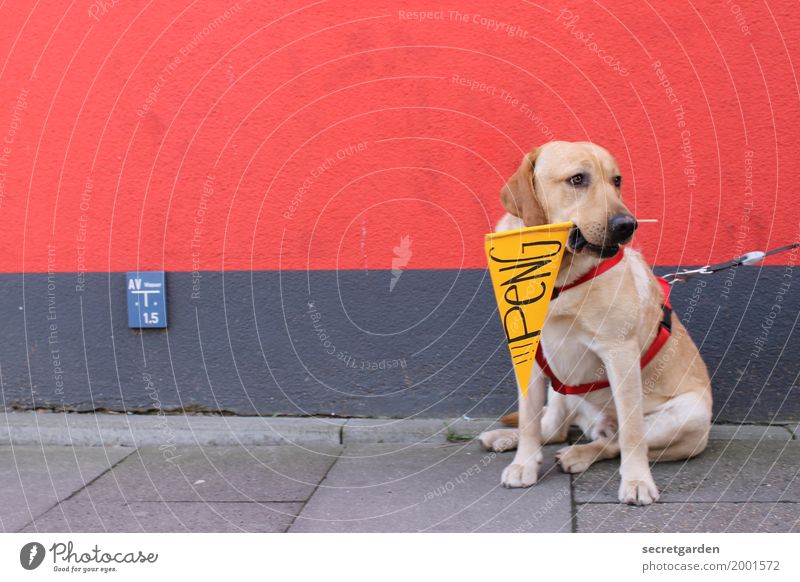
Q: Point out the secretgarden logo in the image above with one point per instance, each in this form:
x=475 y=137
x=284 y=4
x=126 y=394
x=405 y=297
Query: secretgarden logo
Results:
x=31 y=555
x=67 y=558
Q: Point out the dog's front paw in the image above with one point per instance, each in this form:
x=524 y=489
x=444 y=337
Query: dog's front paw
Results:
x=638 y=491
x=522 y=474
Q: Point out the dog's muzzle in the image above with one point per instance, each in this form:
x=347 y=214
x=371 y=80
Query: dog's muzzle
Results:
x=577 y=243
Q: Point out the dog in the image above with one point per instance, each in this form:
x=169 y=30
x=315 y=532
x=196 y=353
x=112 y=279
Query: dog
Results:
x=599 y=330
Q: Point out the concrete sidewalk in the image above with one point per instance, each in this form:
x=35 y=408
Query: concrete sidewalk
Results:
x=233 y=474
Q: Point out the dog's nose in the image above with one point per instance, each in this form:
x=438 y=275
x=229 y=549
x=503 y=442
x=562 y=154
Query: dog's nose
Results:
x=621 y=227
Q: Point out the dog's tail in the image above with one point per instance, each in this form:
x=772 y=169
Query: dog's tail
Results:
x=511 y=419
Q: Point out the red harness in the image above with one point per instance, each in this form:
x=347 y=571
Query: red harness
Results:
x=664 y=331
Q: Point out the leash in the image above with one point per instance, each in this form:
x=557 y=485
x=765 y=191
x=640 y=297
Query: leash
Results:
x=750 y=258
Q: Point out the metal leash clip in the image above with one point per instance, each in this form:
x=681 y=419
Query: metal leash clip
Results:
x=683 y=276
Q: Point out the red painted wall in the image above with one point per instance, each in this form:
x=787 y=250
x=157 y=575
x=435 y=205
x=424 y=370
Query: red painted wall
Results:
x=177 y=135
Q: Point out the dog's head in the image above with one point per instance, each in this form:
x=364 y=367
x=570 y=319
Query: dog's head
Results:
x=572 y=182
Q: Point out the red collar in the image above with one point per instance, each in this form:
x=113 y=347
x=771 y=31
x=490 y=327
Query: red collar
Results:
x=601 y=268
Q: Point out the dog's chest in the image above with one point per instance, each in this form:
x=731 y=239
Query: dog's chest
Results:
x=581 y=319
x=565 y=344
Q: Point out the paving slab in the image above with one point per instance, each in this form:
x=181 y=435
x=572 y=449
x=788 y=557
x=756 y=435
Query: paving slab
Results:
x=140 y=430
x=443 y=488
x=33 y=479
x=750 y=432
x=413 y=430
x=689 y=517
x=279 y=473
x=81 y=515
x=735 y=471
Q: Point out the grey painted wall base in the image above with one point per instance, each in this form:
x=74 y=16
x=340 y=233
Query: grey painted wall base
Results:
x=340 y=343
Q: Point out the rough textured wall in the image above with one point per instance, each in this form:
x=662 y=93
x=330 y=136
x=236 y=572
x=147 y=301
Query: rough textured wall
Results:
x=275 y=137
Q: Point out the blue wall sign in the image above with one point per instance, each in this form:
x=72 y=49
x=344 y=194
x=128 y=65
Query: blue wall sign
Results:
x=147 y=299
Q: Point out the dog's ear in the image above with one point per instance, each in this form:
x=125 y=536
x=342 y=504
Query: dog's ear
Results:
x=518 y=196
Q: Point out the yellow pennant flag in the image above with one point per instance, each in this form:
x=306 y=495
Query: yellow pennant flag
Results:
x=523 y=265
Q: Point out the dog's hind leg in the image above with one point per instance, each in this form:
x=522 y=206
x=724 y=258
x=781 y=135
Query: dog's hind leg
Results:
x=578 y=458
x=500 y=440
x=679 y=429
x=676 y=431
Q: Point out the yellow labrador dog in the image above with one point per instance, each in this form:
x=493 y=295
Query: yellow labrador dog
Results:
x=607 y=316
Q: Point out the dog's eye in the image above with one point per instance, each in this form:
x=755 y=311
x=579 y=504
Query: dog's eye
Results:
x=617 y=181
x=578 y=180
